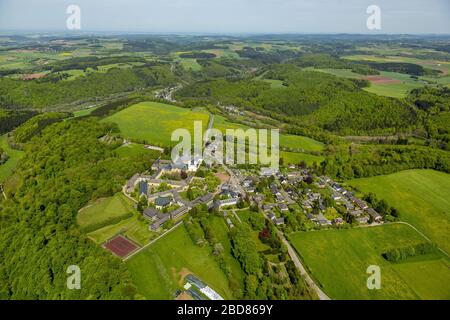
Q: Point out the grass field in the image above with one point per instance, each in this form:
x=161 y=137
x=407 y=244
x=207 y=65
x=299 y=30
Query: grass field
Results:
x=223 y=124
x=288 y=141
x=190 y=64
x=7 y=168
x=275 y=84
x=421 y=196
x=297 y=157
x=159 y=269
x=396 y=90
x=338 y=260
x=136 y=149
x=104 y=209
x=300 y=142
x=133 y=228
x=153 y=122
x=83 y=112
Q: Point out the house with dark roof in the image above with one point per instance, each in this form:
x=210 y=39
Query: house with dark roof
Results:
x=161 y=219
x=163 y=202
x=375 y=215
x=143 y=188
x=271 y=216
x=360 y=203
x=150 y=213
x=279 y=221
x=362 y=220
x=179 y=212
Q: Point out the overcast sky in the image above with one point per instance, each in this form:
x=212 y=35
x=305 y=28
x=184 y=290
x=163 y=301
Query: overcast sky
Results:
x=229 y=16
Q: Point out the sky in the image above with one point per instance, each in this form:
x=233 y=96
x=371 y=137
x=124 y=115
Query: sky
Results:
x=228 y=16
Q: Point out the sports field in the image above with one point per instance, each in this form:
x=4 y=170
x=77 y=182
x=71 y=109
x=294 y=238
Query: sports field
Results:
x=421 y=196
x=120 y=246
x=159 y=270
x=7 y=168
x=153 y=122
x=338 y=260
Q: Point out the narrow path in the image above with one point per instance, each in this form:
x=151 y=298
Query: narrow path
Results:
x=236 y=215
x=422 y=234
x=310 y=282
x=3 y=192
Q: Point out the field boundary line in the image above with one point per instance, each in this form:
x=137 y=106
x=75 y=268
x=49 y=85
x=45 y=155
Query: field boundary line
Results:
x=422 y=234
x=153 y=241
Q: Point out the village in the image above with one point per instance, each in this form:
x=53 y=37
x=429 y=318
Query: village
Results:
x=171 y=190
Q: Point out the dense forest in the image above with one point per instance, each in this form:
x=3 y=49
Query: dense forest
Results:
x=64 y=168
x=372 y=160
x=9 y=119
x=312 y=98
x=17 y=93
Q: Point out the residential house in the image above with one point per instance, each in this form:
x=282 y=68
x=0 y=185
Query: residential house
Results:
x=375 y=215
x=362 y=220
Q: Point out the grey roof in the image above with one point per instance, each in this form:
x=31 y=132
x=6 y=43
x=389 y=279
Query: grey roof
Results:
x=162 y=218
x=150 y=212
x=178 y=212
x=163 y=201
x=373 y=213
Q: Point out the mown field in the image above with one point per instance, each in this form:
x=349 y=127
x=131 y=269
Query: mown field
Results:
x=159 y=270
x=153 y=123
x=291 y=142
x=396 y=90
x=421 y=196
x=7 y=168
x=135 y=149
x=133 y=228
x=338 y=260
x=297 y=157
x=104 y=209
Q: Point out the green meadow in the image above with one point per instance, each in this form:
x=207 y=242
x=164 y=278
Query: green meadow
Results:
x=136 y=149
x=133 y=228
x=421 y=196
x=395 y=90
x=153 y=122
x=338 y=260
x=7 y=168
x=159 y=270
x=297 y=157
x=104 y=209
x=300 y=142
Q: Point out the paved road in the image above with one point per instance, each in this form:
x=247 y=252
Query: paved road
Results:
x=310 y=282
